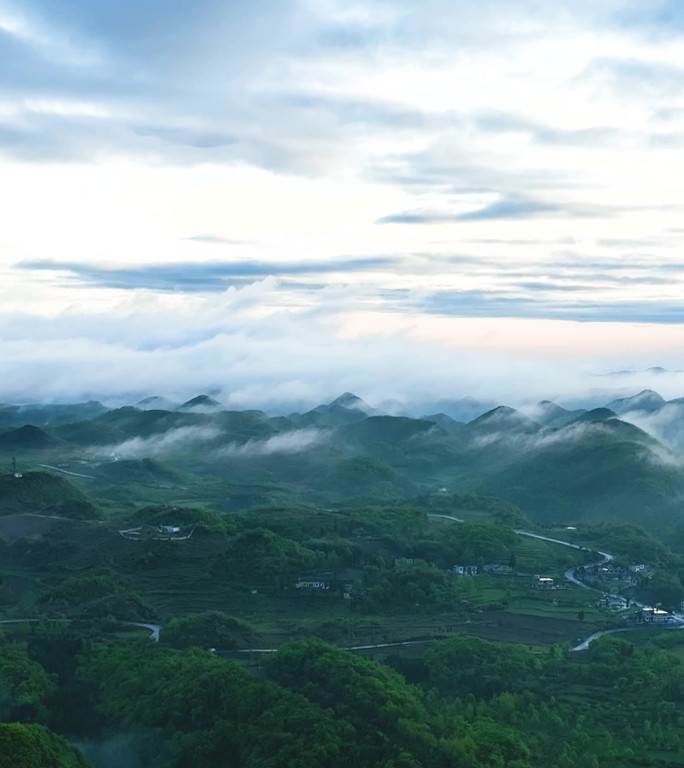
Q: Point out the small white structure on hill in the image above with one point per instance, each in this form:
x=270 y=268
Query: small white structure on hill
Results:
x=465 y=570
x=312 y=584
x=654 y=615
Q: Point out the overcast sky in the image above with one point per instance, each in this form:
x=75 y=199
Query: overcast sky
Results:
x=284 y=199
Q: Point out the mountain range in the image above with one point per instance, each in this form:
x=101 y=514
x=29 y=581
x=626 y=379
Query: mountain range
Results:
x=621 y=461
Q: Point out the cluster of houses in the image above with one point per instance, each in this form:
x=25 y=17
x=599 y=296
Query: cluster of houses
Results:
x=463 y=570
x=647 y=615
x=324 y=584
x=656 y=616
x=472 y=570
x=615 y=577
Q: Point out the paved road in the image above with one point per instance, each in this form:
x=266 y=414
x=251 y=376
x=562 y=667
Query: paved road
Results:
x=570 y=576
x=66 y=472
x=153 y=628
x=399 y=644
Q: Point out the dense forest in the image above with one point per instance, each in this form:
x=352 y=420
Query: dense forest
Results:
x=466 y=702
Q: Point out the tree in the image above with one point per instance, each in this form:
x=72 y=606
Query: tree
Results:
x=34 y=746
x=24 y=684
x=207 y=630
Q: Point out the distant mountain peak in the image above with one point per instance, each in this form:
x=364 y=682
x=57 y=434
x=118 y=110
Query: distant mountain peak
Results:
x=648 y=393
x=500 y=412
x=549 y=406
x=201 y=403
x=646 y=400
x=156 y=403
x=349 y=400
x=597 y=414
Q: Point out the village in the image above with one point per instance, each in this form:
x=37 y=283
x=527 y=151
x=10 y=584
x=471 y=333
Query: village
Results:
x=608 y=577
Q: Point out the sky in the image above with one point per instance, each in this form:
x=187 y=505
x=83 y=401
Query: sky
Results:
x=281 y=200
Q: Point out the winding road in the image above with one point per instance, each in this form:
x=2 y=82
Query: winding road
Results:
x=570 y=576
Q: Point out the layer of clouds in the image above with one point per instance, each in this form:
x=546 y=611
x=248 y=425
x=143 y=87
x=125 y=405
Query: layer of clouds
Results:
x=206 y=438
x=571 y=434
x=569 y=284
x=203 y=276
x=248 y=350
x=191 y=85
x=540 y=138
x=667 y=424
x=159 y=445
x=298 y=441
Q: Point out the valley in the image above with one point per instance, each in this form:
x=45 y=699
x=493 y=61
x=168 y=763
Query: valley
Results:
x=237 y=543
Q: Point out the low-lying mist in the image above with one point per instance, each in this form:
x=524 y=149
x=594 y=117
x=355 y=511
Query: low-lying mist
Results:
x=208 y=438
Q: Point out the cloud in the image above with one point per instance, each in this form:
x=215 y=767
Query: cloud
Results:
x=666 y=424
x=499 y=209
x=298 y=441
x=498 y=303
x=661 y=19
x=212 y=239
x=572 y=434
x=159 y=445
x=544 y=134
x=503 y=208
x=294 y=126
x=203 y=276
x=634 y=78
x=182 y=345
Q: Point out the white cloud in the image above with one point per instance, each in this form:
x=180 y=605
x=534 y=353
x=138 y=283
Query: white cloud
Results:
x=252 y=350
x=158 y=445
x=289 y=128
x=298 y=441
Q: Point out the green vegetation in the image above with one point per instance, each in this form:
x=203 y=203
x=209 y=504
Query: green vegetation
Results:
x=208 y=630
x=96 y=596
x=580 y=468
x=34 y=746
x=46 y=493
x=236 y=535
x=465 y=702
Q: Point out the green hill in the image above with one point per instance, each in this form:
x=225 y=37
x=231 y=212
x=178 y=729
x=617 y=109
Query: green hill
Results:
x=34 y=746
x=132 y=422
x=27 y=437
x=85 y=433
x=45 y=493
x=388 y=430
x=144 y=471
x=604 y=471
x=48 y=414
